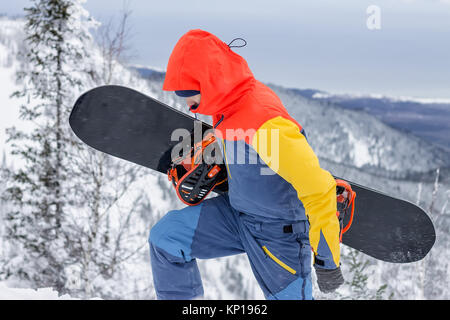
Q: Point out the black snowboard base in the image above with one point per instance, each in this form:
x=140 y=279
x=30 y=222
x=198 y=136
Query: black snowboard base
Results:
x=130 y=125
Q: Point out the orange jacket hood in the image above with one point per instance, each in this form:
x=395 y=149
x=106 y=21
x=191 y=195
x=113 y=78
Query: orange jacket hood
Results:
x=201 y=61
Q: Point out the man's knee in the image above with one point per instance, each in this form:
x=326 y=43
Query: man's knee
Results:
x=163 y=239
x=159 y=231
x=174 y=233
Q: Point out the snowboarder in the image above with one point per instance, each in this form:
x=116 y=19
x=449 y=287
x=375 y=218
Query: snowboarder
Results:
x=276 y=219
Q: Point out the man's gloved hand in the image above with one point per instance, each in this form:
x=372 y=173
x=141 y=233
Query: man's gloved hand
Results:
x=329 y=279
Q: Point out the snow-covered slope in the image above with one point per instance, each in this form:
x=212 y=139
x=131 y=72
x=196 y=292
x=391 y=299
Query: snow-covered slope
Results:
x=350 y=144
x=359 y=139
x=428 y=118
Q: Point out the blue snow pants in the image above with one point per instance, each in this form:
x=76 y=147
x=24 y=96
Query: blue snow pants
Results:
x=278 y=250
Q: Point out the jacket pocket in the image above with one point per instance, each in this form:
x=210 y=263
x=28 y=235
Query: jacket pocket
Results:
x=278 y=261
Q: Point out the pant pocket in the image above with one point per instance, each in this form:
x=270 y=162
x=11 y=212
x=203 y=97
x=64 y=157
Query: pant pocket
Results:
x=278 y=261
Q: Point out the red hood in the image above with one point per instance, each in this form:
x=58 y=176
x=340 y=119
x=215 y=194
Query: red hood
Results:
x=201 y=61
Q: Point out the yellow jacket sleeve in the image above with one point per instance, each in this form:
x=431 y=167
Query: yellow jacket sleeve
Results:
x=282 y=146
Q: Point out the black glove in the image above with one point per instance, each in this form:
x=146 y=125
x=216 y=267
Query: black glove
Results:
x=329 y=279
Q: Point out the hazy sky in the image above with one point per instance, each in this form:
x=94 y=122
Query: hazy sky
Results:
x=322 y=44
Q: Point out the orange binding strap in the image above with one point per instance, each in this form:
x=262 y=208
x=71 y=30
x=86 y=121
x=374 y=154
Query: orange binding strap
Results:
x=345 y=198
x=193 y=178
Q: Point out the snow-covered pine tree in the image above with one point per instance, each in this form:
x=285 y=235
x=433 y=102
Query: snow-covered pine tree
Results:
x=357 y=279
x=109 y=229
x=3 y=203
x=435 y=265
x=40 y=190
x=87 y=204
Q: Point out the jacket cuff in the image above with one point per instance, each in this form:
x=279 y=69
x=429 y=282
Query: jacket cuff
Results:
x=324 y=263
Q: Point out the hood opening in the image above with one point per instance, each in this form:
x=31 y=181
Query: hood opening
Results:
x=202 y=62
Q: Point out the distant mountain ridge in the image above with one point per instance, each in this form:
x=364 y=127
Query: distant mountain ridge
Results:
x=425 y=118
x=428 y=119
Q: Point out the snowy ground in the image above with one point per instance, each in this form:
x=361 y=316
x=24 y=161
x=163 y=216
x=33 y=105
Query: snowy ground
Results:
x=7 y=293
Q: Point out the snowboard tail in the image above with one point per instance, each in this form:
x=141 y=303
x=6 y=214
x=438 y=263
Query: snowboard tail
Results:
x=388 y=228
x=132 y=126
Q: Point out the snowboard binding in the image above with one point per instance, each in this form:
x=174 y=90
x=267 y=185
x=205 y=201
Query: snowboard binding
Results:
x=345 y=198
x=194 y=178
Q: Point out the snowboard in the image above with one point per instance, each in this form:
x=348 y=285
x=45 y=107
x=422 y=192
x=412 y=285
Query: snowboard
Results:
x=129 y=125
